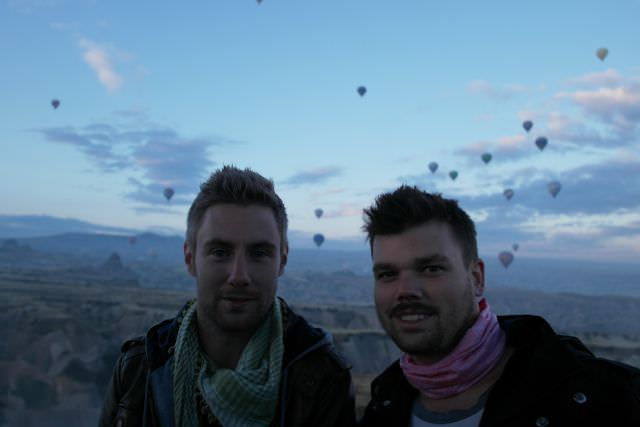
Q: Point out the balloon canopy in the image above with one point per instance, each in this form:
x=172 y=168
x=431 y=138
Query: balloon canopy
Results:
x=453 y=175
x=433 y=167
x=515 y=247
x=486 y=157
x=554 y=188
x=318 y=239
x=541 y=142
x=602 y=53
x=506 y=258
x=508 y=193
x=318 y=212
x=362 y=90
x=527 y=125
x=55 y=103
x=168 y=193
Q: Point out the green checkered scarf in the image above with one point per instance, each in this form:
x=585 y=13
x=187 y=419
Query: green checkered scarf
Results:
x=244 y=396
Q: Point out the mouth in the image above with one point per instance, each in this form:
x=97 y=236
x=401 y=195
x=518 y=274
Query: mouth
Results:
x=237 y=299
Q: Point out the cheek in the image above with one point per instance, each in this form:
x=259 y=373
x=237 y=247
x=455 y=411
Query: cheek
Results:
x=382 y=295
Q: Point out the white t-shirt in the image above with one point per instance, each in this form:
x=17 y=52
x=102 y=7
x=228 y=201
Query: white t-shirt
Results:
x=422 y=417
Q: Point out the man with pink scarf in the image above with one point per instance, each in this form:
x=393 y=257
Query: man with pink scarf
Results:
x=463 y=366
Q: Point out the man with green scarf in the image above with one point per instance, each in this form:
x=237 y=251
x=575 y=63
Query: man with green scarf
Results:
x=237 y=355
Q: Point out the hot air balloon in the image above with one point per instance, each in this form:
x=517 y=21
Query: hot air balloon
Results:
x=554 y=188
x=527 y=125
x=506 y=258
x=541 y=142
x=168 y=193
x=362 y=90
x=318 y=239
x=433 y=167
x=55 y=104
x=132 y=240
x=602 y=53
x=508 y=193
x=515 y=247
x=318 y=212
x=259 y=1
x=453 y=175
x=486 y=158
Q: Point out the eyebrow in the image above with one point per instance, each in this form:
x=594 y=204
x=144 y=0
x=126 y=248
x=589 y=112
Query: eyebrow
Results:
x=415 y=263
x=222 y=242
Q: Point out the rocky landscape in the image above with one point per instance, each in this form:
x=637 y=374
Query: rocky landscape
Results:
x=64 y=318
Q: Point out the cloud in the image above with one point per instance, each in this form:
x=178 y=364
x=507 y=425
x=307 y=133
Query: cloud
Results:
x=316 y=176
x=591 y=189
x=159 y=156
x=496 y=92
x=506 y=147
x=609 y=98
x=100 y=59
x=343 y=211
x=606 y=78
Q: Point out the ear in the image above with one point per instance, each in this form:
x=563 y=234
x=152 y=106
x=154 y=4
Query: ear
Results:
x=189 y=259
x=284 y=256
x=477 y=274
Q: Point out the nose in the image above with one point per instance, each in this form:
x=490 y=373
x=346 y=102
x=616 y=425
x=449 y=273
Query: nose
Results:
x=409 y=287
x=239 y=274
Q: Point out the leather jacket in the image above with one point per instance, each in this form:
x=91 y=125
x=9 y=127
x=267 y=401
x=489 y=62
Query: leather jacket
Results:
x=316 y=387
x=551 y=380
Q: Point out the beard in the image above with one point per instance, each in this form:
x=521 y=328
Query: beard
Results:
x=443 y=330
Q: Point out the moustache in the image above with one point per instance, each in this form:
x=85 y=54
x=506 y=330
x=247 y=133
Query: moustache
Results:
x=238 y=296
x=410 y=308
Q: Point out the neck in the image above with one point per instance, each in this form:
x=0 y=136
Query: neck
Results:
x=223 y=348
x=470 y=397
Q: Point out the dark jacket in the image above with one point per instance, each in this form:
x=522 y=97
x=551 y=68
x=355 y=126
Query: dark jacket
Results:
x=550 y=380
x=316 y=388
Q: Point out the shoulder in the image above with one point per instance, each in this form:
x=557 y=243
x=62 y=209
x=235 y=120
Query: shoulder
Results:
x=391 y=399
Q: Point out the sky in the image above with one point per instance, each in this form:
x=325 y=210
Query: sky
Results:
x=156 y=95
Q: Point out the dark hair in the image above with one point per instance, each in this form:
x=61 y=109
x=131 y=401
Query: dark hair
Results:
x=238 y=187
x=407 y=207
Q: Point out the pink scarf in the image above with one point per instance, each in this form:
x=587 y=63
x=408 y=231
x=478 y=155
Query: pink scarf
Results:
x=475 y=355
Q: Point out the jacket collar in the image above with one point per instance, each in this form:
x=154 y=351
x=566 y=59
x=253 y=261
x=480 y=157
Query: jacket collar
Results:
x=540 y=362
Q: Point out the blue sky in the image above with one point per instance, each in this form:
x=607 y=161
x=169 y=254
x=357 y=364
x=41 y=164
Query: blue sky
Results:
x=155 y=95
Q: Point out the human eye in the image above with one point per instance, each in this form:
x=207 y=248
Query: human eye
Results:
x=219 y=252
x=385 y=275
x=260 y=252
x=432 y=268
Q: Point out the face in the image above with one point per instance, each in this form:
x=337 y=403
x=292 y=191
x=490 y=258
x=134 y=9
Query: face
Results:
x=426 y=297
x=238 y=259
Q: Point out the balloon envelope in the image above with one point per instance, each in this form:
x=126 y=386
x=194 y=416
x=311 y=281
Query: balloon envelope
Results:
x=554 y=188
x=508 y=193
x=318 y=212
x=527 y=125
x=433 y=167
x=486 y=157
x=362 y=90
x=318 y=239
x=602 y=53
x=506 y=258
x=541 y=142
x=168 y=193
x=55 y=103
x=516 y=247
x=453 y=175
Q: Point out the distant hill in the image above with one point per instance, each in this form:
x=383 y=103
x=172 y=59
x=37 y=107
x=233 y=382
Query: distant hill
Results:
x=44 y=225
x=153 y=255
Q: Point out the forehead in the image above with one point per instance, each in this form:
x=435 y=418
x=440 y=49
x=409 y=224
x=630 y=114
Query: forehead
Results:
x=239 y=224
x=426 y=240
